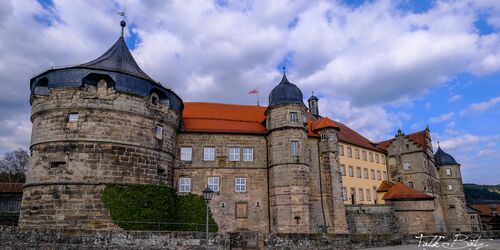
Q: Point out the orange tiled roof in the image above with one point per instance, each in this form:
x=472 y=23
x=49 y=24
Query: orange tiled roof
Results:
x=226 y=118
x=385 y=186
x=417 y=137
x=11 y=187
x=234 y=118
x=402 y=192
x=485 y=209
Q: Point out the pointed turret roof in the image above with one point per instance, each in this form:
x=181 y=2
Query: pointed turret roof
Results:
x=441 y=158
x=119 y=59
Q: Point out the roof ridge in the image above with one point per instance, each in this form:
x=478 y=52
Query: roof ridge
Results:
x=227 y=104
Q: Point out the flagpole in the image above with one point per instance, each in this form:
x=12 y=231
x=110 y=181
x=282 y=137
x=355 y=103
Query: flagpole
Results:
x=258 y=96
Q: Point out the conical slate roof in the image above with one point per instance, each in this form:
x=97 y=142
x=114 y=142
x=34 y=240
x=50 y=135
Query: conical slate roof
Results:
x=119 y=59
x=285 y=92
x=441 y=158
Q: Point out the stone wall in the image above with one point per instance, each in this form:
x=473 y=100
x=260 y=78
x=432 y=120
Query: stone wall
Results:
x=414 y=217
x=371 y=219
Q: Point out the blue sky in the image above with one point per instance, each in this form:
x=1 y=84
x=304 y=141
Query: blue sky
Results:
x=378 y=66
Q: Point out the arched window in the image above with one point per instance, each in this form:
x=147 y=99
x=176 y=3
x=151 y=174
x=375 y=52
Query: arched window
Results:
x=93 y=79
x=157 y=97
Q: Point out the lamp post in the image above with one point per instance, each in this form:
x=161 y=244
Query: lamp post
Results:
x=207 y=195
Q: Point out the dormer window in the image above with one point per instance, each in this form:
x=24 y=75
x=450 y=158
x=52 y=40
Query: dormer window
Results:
x=154 y=100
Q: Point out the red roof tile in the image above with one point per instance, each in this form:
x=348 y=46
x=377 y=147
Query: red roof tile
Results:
x=11 y=187
x=402 y=192
x=385 y=186
x=485 y=209
x=350 y=136
x=417 y=137
x=323 y=122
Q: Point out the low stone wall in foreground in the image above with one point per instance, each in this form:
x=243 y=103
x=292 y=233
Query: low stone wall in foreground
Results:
x=14 y=238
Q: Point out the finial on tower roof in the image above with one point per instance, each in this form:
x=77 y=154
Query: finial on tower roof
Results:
x=284 y=70
x=122 y=23
x=438 y=144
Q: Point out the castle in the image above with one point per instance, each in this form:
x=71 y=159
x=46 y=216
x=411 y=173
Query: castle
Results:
x=282 y=168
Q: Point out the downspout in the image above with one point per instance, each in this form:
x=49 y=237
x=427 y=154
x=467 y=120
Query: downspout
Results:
x=268 y=189
x=321 y=190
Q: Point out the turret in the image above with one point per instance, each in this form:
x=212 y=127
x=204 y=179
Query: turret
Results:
x=288 y=168
x=313 y=105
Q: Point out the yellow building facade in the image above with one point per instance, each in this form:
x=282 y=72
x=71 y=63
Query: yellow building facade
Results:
x=363 y=170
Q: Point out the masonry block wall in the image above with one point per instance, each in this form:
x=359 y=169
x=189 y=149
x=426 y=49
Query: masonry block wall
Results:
x=84 y=138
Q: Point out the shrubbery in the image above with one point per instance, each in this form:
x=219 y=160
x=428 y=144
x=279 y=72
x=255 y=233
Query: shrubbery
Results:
x=155 y=207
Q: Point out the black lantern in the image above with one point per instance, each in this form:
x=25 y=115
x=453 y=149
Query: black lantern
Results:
x=207 y=194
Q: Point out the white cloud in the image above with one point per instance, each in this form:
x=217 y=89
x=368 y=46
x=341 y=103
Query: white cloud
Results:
x=481 y=106
x=459 y=141
x=455 y=98
x=442 y=117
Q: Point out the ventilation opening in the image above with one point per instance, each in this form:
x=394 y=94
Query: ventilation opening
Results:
x=58 y=164
x=161 y=172
x=93 y=79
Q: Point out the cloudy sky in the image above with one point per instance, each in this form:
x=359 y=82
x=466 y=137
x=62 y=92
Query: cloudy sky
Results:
x=375 y=65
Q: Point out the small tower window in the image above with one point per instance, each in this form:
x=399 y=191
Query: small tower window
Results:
x=294 y=148
x=73 y=117
x=155 y=100
x=448 y=172
x=407 y=166
x=450 y=187
x=410 y=184
x=332 y=136
x=323 y=137
x=159 y=132
x=294 y=117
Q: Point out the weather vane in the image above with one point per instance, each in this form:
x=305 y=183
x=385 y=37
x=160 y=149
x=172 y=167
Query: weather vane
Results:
x=122 y=23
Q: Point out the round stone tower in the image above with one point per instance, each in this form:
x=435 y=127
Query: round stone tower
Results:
x=452 y=193
x=288 y=169
x=97 y=123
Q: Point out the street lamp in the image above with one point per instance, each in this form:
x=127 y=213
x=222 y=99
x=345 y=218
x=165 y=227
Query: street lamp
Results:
x=207 y=195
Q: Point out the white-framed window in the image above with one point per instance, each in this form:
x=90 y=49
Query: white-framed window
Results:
x=234 y=154
x=379 y=175
x=159 y=132
x=73 y=117
x=358 y=172
x=332 y=136
x=349 y=152
x=344 y=193
x=186 y=153
x=370 y=156
x=368 y=195
x=341 y=150
x=448 y=171
x=247 y=154
x=365 y=173
x=323 y=137
x=361 y=195
x=377 y=158
x=208 y=153
x=213 y=183
x=363 y=155
x=372 y=173
x=184 y=184
x=342 y=169
x=294 y=117
x=407 y=166
x=450 y=187
x=356 y=153
x=240 y=184
x=294 y=147
x=351 y=171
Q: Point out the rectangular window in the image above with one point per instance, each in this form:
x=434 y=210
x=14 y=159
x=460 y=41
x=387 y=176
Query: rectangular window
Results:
x=383 y=159
x=377 y=158
x=240 y=184
x=361 y=195
x=351 y=171
x=353 y=195
x=341 y=150
x=344 y=193
x=384 y=175
x=184 y=184
x=349 y=152
x=332 y=136
x=342 y=169
x=450 y=187
x=372 y=172
x=365 y=173
x=407 y=166
x=294 y=117
x=294 y=147
x=208 y=153
x=368 y=195
x=241 y=210
x=186 y=153
x=73 y=117
x=371 y=156
x=363 y=155
x=356 y=153
x=448 y=172
x=247 y=154
x=410 y=184
x=213 y=183
x=323 y=137
x=358 y=172
x=159 y=132
x=379 y=175
x=234 y=154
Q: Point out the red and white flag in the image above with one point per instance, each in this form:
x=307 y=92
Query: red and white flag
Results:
x=254 y=91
